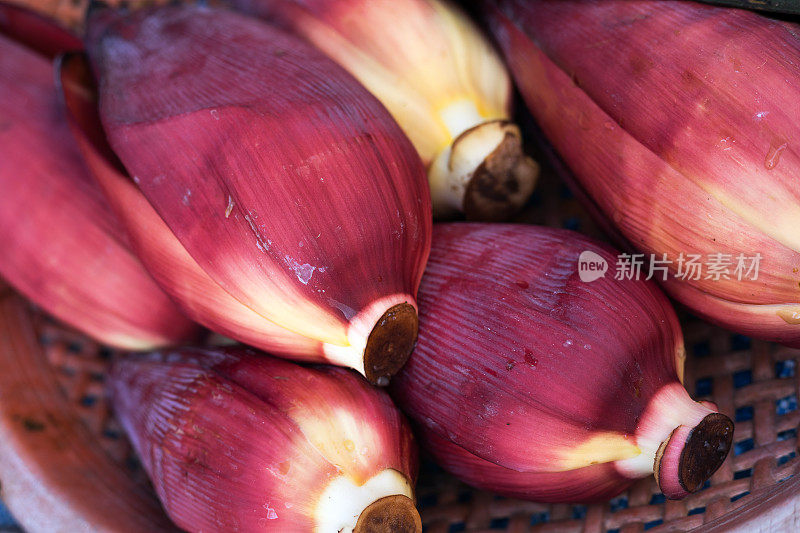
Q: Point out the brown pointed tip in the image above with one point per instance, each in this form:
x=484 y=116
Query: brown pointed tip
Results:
x=390 y=343
x=392 y=514
x=705 y=450
x=502 y=184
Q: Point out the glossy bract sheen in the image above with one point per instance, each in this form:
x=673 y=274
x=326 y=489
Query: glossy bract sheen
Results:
x=63 y=247
x=441 y=80
x=680 y=122
x=272 y=175
x=533 y=383
x=234 y=439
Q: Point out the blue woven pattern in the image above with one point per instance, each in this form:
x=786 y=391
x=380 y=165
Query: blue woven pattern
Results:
x=6 y=520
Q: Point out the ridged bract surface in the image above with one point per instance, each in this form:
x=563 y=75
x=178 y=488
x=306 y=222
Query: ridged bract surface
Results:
x=681 y=123
x=235 y=440
x=287 y=184
x=527 y=380
x=63 y=247
x=417 y=56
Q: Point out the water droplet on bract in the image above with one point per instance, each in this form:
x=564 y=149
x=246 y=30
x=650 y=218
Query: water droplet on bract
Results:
x=215 y=114
x=530 y=359
x=229 y=208
x=303 y=272
x=726 y=143
x=610 y=126
x=382 y=381
x=567 y=343
x=587 y=346
x=510 y=364
x=774 y=155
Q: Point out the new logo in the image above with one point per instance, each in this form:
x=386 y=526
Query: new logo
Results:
x=591 y=266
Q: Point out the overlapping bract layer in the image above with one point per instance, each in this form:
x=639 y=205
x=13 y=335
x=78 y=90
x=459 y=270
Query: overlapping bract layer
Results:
x=63 y=247
x=442 y=81
x=275 y=199
x=234 y=439
x=680 y=121
x=531 y=382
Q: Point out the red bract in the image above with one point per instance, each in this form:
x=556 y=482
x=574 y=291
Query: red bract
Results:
x=532 y=383
x=237 y=440
x=680 y=122
x=62 y=245
x=439 y=77
x=274 y=198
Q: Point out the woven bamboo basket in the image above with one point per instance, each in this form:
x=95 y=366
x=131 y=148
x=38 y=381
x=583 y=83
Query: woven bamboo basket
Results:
x=66 y=466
